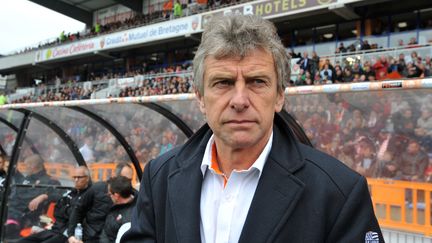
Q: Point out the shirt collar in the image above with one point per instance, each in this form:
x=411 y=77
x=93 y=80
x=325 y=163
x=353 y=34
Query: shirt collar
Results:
x=258 y=164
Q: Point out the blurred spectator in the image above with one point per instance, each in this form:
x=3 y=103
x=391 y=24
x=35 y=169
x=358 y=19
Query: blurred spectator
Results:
x=326 y=73
x=381 y=68
x=3 y=98
x=368 y=72
x=347 y=75
x=413 y=162
x=412 y=41
x=404 y=122
x=428 y=67
x=366 y=45
x=423 y=129
x=315 y=60
x=364 y=159
x=414 y=71
x=387 y=166
x=87 y=150
x=341 y=48
x=304 y=62
x=97 y=28
x=178 y=12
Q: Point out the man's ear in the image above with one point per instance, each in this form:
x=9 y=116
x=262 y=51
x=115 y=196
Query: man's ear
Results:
x=200 y=100
x=280 y=100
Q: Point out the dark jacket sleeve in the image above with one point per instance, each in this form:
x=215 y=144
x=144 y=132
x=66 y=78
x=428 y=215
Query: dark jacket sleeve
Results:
x=53 y=194
x=143 y=217
x=357 y=220
x=103 y=238
x=78 y=212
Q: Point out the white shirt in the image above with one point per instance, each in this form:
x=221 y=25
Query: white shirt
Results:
x=87 y=153
x=225 y=202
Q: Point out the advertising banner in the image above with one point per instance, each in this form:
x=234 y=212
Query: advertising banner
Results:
x=67 y=50
x=145 y=34
x=149 y=33
x=269 y=8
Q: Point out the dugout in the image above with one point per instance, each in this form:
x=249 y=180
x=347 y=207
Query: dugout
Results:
x=368 y=126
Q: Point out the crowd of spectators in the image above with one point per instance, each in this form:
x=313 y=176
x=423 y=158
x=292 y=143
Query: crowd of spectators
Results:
x=70 y=92
x=315 y=71
x=378 y=136
x=312 y=70
x=157 y=81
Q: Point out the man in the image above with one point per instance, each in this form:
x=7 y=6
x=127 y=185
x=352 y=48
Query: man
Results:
x=122 y=194
x=25 y=204
x=178 y=12
x=413 y=162
x=87 y=150
x=304 y=62
x=63 y=209
x=243 y=177
x=126 y=170
x=90 y=211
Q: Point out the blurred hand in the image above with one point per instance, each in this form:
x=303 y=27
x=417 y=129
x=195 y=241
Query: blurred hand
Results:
x=34 y=204
x=72 y=239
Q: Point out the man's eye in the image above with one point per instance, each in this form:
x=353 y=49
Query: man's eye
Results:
x=258 y=81
x=223 y=83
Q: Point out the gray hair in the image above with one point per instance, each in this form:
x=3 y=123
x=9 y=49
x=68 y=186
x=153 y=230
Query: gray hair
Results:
x=237 y=35
x=85 y=168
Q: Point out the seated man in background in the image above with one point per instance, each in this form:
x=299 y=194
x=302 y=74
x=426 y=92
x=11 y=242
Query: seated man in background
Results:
x=63 y=209
x=123 y=196
x=90 y=211
x=413 y=162
x=126 y=170
x=27 y=204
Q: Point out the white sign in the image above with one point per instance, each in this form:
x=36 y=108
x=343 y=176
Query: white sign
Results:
x=160 y=31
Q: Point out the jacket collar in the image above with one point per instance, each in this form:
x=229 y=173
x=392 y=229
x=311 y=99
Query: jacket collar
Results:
x=277 y=193
x=194 y=148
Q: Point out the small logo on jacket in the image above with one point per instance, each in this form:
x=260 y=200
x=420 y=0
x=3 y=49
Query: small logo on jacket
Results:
x=371 y=237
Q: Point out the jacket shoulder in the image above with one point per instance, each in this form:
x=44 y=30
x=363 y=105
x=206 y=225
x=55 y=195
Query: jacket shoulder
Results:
x=161 y=162
x=334 y=170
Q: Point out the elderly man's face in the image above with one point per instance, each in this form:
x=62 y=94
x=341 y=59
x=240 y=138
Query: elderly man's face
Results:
x=240 y=98
x=80 y=178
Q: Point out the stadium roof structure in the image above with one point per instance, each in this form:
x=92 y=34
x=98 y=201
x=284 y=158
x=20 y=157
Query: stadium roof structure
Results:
x=82 y=10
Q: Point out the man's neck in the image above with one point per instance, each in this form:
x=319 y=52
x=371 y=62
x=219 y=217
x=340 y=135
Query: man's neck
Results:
x=125 y=200
x=230 y=159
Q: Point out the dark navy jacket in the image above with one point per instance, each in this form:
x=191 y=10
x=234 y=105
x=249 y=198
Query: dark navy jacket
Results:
x=303 y=195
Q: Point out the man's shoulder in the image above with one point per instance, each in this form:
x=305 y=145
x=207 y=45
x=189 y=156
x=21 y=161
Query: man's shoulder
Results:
x=163 y=160
x=329 y=169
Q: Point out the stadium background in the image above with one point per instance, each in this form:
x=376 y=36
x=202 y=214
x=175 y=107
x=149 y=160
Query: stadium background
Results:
x=141 y=53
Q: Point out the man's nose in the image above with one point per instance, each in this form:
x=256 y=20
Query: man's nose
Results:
x=240 y=98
